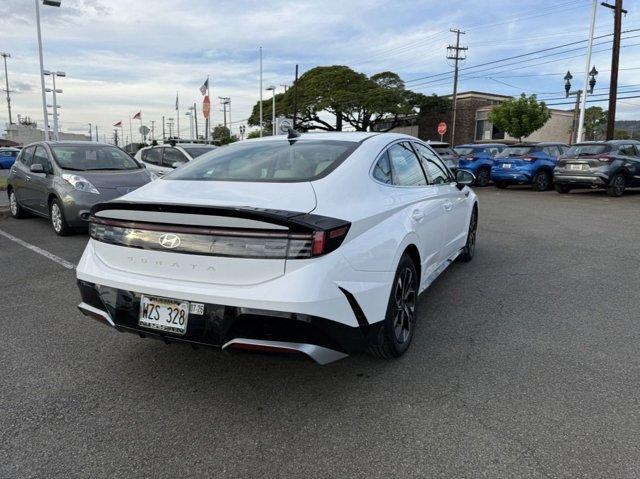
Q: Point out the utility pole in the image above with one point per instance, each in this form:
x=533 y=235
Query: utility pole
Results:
x=224 y=101
x=6 y=79
x=163 y=136
x=615 y=60
x=91 y=133
x=97 y=137
x=454 y=54
x=583 y=105
x=153 y=131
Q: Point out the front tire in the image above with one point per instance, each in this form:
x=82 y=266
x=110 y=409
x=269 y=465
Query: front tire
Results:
x=14 y=207
x=563 y=189
x=501 y=185
x=399 y=324
x=483 y=178
x=617 y=185
x=58 y=221
x=541 y=181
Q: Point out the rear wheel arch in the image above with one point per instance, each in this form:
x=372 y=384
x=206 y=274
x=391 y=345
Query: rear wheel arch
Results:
x=412 y=251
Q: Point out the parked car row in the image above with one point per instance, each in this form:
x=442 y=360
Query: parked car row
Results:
x=612 y=165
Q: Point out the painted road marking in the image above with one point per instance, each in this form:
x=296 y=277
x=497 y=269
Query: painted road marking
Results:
x=62 y=262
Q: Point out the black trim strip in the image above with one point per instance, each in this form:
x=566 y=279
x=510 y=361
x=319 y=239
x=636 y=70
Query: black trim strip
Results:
x=357 y=310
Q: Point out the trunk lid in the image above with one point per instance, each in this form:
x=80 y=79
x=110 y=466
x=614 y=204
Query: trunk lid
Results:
x=200 y=230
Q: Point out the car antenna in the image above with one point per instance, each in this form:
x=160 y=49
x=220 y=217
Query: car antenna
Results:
x=293 y=134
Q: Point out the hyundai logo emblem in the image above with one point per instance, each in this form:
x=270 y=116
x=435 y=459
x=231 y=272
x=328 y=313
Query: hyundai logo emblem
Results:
x=169 y=241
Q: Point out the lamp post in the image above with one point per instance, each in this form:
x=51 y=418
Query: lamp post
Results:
x=190 y=115
x=6 y=79
x=272 y=89
x=578 y=129
x=51 y=3
x=55 y=91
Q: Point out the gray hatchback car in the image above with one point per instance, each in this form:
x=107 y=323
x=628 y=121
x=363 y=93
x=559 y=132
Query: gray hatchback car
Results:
x=63 y=180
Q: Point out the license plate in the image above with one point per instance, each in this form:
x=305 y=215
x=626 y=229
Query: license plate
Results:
x=162 y=314
x=575 y=167
x=506 y=166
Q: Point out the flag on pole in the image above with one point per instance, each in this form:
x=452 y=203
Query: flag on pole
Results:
x=204 y=87
x=118 y=124
x=206 y=107
x=137 y=116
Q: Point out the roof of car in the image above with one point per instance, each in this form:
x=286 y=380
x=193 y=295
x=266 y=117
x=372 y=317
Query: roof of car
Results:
x=70 y=143
x=467 y=145
x=355 y=136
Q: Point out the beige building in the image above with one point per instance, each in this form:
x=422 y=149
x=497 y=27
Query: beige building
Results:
x=23 y=134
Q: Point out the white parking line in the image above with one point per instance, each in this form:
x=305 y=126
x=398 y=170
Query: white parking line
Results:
x=62 y=262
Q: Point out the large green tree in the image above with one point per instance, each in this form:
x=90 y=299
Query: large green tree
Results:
x=222 y=135
x=520 y=117
x=595 y=121
x=333 y=96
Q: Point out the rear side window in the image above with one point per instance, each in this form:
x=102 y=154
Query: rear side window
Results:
x=152 y=156
x=628 y=150
x=171 y=156
x=382 y=170
x=268 y=161
x=436 y=170
x=406 y=167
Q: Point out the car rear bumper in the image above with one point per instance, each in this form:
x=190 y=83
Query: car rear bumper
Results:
x=584 y=180
x=511 y=176
x=320 y=302
x=231 y=327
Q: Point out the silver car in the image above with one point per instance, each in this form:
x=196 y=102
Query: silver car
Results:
x=165 y=158
x=63 y=180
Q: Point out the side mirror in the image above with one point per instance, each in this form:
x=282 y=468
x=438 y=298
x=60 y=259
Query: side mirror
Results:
x=36 y=168
x=464 y=178
x=175 y=164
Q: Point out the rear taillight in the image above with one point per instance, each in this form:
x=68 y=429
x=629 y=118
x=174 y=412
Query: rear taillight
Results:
x=606 y=159
x=236 y=243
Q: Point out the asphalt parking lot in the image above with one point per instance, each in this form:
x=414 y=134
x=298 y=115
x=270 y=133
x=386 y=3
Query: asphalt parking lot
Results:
x=525 y=364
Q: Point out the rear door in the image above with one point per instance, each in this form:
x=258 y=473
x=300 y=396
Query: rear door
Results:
x=422 y=203
x=454 y=204
x=172 y=156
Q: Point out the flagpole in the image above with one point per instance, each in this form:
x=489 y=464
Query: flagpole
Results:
x=141 y=139
x=260 y=92
x=209 y=116
x=178 y=113
x=130 y=133
x=122 y=134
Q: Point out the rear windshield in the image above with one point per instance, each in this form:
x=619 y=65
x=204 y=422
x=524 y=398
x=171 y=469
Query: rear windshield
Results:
x=588 y=150
x=518 y=151
x=444 y=150
x=93 y=157
x=469 y=150
x=11 y=153
x=267 y=161
x=196 y=152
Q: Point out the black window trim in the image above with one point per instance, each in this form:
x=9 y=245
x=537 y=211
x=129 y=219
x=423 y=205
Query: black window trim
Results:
x=392 y=184
x=446 y=168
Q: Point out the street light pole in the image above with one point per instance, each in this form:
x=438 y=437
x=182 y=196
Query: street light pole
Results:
x=586 y=72
x=260 y=92
x=6 y=79
x=44 y=96
x=272 y=89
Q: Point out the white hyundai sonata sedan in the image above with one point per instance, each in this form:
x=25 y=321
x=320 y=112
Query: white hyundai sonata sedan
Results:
x=316 y=244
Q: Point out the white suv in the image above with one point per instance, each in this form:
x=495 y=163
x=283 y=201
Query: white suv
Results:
x=164 y=158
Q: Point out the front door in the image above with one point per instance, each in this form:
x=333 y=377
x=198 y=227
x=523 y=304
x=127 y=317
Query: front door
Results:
x=37 y=187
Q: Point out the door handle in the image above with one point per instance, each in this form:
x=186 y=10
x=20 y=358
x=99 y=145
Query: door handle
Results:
x=417 y=215
x=448 y=205
x=28 y=178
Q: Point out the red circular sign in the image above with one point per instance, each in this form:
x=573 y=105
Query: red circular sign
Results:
x=442 y=128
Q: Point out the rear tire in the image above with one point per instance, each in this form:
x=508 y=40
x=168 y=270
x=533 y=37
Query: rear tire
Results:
x=58 y=221
x=563 y=189
x=14 y=207
x=617 y=185
x=483 y=178
x=469 y=250
x=541 y=181
x=501 y=185
x=399 y=324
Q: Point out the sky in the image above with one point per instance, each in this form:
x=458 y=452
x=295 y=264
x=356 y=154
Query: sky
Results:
x=125 y=56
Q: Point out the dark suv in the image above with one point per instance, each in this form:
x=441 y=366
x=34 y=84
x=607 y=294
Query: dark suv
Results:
x=613 y=165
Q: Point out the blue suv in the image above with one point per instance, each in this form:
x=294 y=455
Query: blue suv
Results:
x=527 y=164
x=478 y=159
